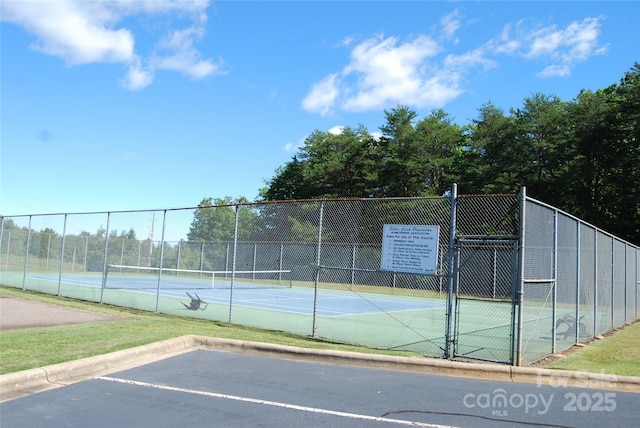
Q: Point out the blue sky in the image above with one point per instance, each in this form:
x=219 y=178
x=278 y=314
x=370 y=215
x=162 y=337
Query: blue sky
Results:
x=127 y=105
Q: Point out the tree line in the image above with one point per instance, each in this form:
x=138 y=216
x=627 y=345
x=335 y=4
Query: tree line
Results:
x=84 y=252
x=582 y=156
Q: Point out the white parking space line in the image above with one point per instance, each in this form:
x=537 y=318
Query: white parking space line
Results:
x=271 y=403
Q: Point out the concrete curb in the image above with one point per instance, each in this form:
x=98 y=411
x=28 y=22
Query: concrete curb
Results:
x=14 y=385
x=18 y=384
x=540 y=377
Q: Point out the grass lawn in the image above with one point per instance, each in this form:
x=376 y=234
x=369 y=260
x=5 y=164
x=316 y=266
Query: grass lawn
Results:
x=618 y=353
x=27 y=348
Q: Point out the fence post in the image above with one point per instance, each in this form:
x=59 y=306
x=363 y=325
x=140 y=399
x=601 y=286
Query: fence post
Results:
x=84 y=257
x=317 y=278
x=452 y=243
x=8 y=250
x=519 y=293
x=595 y=283
x=202 y=253
x=280 y=261
x=353 y=265
x=178 y=257
x=105 y=266
x=122 y=252
x=226 y=260
x=613 y=284
x=255 y=253
x=46 y=260
x=637 y=283
x=161 y=261
x=233 y=263
x=64 y=236
x=578 y=278
x=26 y=256
x=554 y=302
x=1 y=233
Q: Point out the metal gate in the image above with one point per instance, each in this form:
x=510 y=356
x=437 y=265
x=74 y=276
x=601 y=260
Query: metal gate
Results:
x=484 y=298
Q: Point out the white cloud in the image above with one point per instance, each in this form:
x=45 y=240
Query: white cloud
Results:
x=468 y=60
x=290 y=147
x=503 y=43
x=555 y=71
x=64 y=29
x=323 y=94
x=562 y=48
x=137 y=77
x=336 y=130
x=184 y=57
x=578 y=41
x=294 y=147
x=384 y=72
x=83 y=32
x=450 y=25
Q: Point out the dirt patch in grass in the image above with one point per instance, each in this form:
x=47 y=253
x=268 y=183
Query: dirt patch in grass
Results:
x=23 y=313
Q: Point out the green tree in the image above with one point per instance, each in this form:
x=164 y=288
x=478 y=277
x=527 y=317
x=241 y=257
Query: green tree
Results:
x=288 y=183
x=628 y=99
x=131 y=234
x=493 y=160
x=440 y=146
x=213 y=220
x=606 y=176
x=9 y=224
x=581 y=156
x=400 y=168
x=329 y=165
x=542 y=126
x=340 y=164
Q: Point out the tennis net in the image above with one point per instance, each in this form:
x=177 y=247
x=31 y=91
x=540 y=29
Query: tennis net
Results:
x=142 y=277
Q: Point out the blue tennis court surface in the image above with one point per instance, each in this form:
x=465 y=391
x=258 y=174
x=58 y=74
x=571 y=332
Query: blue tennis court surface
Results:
x=293 y=300
x=330 y=303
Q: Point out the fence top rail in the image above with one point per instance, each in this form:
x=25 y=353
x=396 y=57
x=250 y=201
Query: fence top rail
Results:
x=246 y=204
x=493 y=195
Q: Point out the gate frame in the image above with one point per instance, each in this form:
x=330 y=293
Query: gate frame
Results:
x=510 y=241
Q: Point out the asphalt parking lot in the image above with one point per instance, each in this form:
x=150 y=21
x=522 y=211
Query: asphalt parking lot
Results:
x=203 y=388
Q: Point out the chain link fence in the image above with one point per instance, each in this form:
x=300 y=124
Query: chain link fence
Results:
x=578 y=282
x=510 y=286
x=486 y=257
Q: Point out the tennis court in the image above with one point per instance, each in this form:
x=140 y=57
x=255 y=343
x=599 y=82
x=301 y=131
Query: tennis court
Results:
x=378 y=317
x=251 y=294
x=478 y=277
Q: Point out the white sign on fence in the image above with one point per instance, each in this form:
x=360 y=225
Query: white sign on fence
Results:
x=410 y=249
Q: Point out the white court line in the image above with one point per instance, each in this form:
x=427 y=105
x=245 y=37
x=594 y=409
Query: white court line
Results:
x=271 y=403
